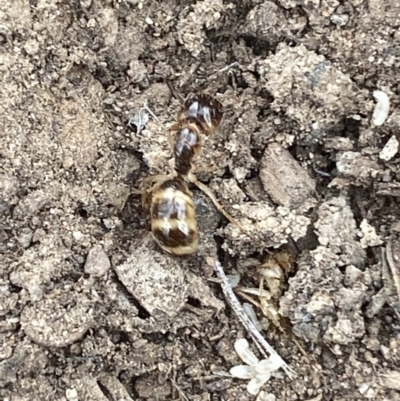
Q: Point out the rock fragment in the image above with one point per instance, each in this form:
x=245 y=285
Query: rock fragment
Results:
x=265 y=226
x=156 y=282
x=26 y=357
x=286 y=182
x=206 y=13
x=355 y=165
x=369 y=236
x=340 y=19
x=9 y=187
x=337 y=230
x=33 y=203
x=391 y=380
x=97 y=262
x=115 y=387
x=39 y=264
x=265 y=21
x=88 y=389
x=162 y=284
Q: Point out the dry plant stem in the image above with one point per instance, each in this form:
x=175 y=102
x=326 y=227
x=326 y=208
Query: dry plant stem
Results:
x=145 y=107
x=174 y=92
x=304 y=353
x=179 y=390
x=250 y=299
x=260 y=341
x=139 y=127
x=228 y=67
x=393 y=268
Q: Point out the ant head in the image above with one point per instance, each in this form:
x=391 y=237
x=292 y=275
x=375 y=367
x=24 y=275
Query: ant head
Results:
x=203 y=110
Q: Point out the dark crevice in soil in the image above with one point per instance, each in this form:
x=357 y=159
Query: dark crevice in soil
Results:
x=142 y=312
x=105 y=391
x=156 y=338
x=193 y=302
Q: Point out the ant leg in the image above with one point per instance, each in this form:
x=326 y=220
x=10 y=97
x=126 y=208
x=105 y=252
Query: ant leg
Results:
x=192 y=178
x=148 y=185
x=171 y=138
x=132 y=192
x=147 y=239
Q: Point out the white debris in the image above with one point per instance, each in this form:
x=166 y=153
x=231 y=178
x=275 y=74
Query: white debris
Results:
x=363 y=388
x=259 y=372
x=381 y=111
x=77 y=235
x=369 y=235
x=71 y=394
x=249 y=310
x=234 y=279
x=390 y=149
x=263 y=396
x=340 y=19
x=97 y=262
x=245 y=354
x=140 y=119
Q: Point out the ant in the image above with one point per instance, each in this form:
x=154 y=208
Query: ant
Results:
x=172 y=211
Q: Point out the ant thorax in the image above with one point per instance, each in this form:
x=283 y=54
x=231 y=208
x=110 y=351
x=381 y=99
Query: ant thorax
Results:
x=187 y=147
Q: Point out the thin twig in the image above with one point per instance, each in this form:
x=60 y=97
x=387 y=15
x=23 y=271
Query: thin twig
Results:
x=259 y=340
x=179 y=390
x=320 y=172
x=147 y=108
x=218 y=73
x=228 y=66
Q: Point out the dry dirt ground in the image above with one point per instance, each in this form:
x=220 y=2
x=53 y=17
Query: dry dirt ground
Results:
x=90 y=309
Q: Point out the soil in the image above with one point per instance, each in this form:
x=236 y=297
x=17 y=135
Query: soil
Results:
x=90 y=308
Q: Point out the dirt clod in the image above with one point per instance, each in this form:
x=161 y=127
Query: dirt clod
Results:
x=71 y=318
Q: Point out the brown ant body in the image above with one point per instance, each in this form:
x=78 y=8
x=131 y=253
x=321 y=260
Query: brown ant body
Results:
x=172 y=211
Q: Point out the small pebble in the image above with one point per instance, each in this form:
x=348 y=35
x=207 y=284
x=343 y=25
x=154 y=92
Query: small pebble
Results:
x=71 y=394
x=97 y=262
x=390 y=149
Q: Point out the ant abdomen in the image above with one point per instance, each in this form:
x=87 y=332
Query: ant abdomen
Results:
x=173 y=218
